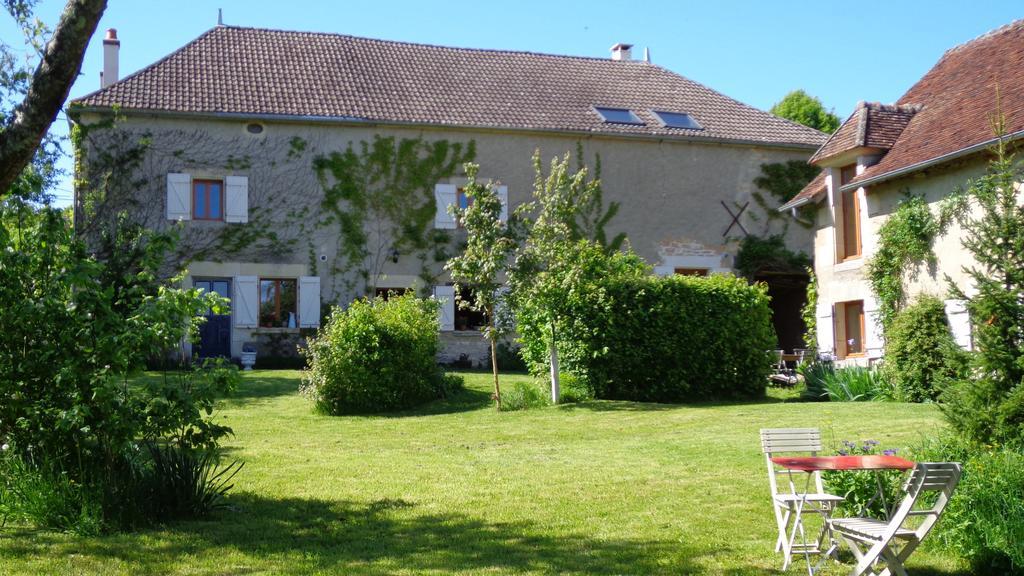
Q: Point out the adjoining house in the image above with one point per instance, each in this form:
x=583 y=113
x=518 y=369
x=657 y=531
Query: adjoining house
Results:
x=931 y=141
x=237 y=119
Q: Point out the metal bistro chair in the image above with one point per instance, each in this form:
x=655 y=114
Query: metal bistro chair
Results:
x=806 y=441
x=875 y=541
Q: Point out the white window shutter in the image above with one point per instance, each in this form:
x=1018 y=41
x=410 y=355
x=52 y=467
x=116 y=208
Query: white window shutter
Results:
x=503 y=196
x=446 y=295
x=873 y=341
x=179 y=196
x=444 y=196
x=236 y=195
x=959 y=323
x=245 y=304
x=826 y=330
x=309 y=302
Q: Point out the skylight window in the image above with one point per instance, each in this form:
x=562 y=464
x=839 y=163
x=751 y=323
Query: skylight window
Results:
x=677 y=120
x=618 y=116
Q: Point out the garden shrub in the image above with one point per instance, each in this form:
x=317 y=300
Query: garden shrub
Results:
x=523 y=396
x=75 y=329
x=572 y=389
x=378 y=355
x=921 y=357
x=815 y=373
x=669 y=339
x=510 y=358
x=984 y=522
x=860 y=487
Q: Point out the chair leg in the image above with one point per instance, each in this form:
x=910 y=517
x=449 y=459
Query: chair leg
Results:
x=893 y=565
x=781 y=521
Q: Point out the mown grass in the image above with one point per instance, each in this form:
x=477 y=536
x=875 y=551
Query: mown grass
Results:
x=456 y=487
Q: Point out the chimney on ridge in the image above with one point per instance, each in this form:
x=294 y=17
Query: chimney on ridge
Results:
x=622 y=51
x=111 y=47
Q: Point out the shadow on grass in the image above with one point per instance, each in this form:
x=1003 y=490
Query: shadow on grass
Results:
x=299 y=536
x=262 y=386
x=630 y=406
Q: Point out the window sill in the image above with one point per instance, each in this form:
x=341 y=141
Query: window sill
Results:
x=264 y=330
x=465 y=333
x=849 y=264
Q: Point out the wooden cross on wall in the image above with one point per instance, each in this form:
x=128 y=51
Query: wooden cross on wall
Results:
x=735 y=219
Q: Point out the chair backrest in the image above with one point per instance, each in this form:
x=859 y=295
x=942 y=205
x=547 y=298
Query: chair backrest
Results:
x=776 y=441
x=941 y=477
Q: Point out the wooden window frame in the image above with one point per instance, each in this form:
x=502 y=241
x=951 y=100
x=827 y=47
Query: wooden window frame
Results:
x=691 y=271
x=277 y=300
x=223 y=196
x=849 y=217
x=843 y=312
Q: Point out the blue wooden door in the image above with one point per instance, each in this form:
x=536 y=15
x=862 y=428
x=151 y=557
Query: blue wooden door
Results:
x=215 y=333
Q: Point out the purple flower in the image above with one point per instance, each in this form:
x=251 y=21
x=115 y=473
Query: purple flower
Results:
x=889 y=452
x=871 y=442
x=844 y=453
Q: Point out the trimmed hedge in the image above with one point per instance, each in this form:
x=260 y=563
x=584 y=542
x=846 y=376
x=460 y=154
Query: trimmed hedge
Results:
x=670 y=339
x=376 y=356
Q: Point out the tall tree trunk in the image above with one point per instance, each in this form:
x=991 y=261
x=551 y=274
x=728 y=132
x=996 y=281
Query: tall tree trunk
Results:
x=492 y=336
x=553 y=350
x=22 y=132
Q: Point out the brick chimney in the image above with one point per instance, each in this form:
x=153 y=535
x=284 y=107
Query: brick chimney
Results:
x=111 y=48
x=622 y=51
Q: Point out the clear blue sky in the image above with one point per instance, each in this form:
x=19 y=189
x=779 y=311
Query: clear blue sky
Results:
x=753 y=51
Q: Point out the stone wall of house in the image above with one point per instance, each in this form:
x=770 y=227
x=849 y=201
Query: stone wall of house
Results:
x=671 y=194
x=847 y=281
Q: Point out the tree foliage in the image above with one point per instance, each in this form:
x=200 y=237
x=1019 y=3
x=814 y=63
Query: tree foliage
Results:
x=558 y=261
x=805 y=109
x=990 y=407
x=485 y=259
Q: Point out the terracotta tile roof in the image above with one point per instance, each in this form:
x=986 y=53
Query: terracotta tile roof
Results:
x=248 y=71
x=810 y=192
x=959 y=98
x=872 y=125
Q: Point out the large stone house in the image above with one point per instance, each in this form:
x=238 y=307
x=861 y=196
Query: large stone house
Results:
x=240 y=126
x=934 y=139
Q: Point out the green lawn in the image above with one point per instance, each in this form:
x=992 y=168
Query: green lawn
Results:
x=594 y=488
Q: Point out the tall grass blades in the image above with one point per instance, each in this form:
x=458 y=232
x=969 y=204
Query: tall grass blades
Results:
x=854 y=384
x=188 y=483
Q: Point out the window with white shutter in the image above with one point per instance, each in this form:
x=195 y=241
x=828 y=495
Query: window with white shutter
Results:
x=309 y=302
x=444 y=196
x=237 y=199
x=826 y=329
x=245 y=304
x=959 y=323
x=446 y=295
x=503 y=196
x=179 y=196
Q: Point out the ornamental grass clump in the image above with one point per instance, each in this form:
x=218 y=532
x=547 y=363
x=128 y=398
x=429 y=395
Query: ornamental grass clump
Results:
x=376 y=356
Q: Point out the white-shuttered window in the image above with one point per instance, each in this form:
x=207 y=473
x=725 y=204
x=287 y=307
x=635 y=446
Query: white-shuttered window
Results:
x=222 y=199
x=244 y=305
x=444 y=196
x=446 y=296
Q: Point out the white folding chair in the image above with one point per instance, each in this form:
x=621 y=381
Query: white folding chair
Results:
x=787 y=504
x=876 y=541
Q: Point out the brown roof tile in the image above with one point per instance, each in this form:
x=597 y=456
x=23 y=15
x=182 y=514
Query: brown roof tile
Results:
x=250 y=71
x=871 y=125
x=958 y=98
